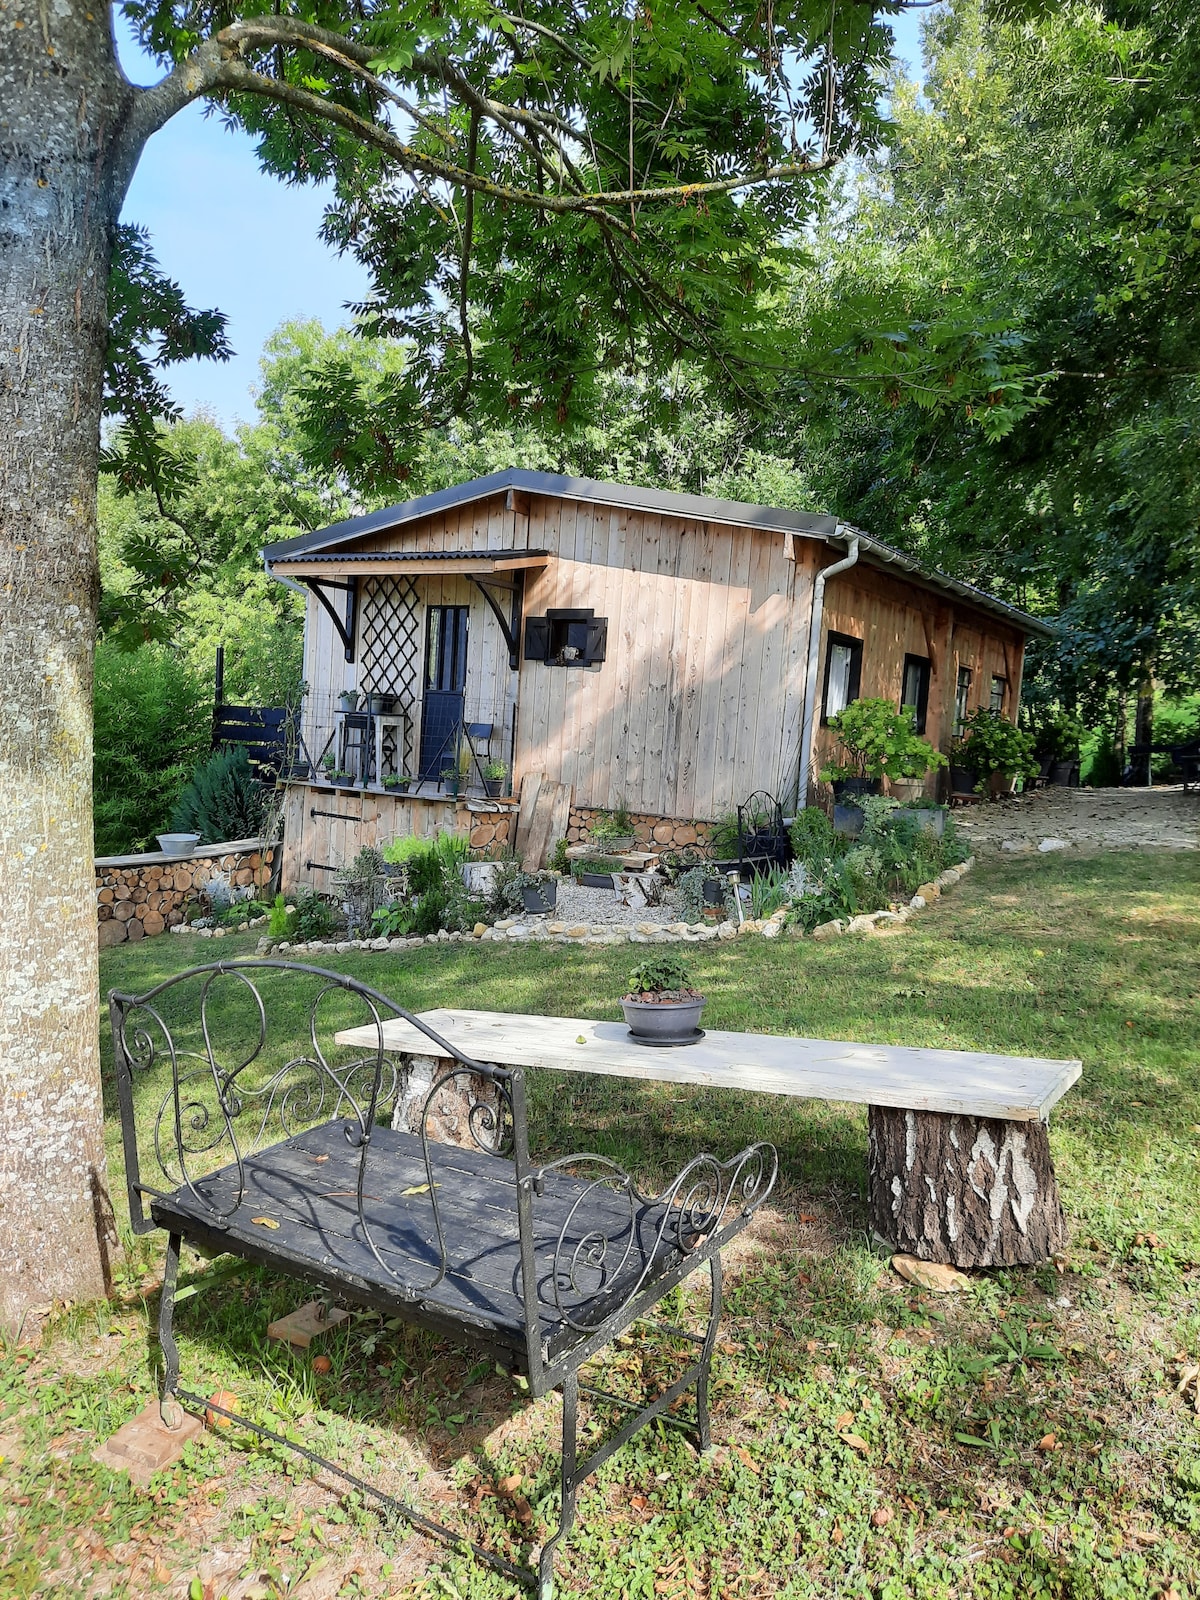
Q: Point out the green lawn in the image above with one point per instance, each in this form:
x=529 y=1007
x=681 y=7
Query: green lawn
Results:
x=980 y=1470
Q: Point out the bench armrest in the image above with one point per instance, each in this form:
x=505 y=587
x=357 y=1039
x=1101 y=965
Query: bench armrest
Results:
x=614 y=1237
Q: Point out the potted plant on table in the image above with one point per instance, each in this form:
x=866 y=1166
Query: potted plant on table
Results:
x=880 y=741
x=662 y=1007
x=612 y=831
x=990 y=745
x=494 y=774
x=596 y=872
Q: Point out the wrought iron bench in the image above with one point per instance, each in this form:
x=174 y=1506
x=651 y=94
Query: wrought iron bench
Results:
x=284 y=1157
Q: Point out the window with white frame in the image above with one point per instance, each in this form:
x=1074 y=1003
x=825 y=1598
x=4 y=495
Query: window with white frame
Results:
x=843 y=673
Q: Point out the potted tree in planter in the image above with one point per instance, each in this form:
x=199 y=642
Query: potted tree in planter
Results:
x=991 y=745
x=880 y=741
x=662 y=1008
x=494 y=774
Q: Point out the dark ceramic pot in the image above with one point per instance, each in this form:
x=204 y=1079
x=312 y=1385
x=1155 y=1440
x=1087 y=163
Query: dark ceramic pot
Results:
x=844 y=788
x=663 y=1020
x=540 y=899
x=963 y=780
x=848 y=820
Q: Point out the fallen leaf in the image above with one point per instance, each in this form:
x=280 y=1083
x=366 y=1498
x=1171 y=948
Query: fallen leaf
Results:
x=522 y=1510
x=837 y=1536
x=322 y=1365
x=748 y=1460
x=1048 y=1442
x=580 y=1038
x=881 y=1518
x=844 y=1421
x=856 y=1442
x=812 y=1347
x=317 y=1160
x=264 y=1222
x=809 y=1216
x=638 y=1502
x=930 y=1274
x=227 y=1400
x=419 y=1188
x=511 y=1484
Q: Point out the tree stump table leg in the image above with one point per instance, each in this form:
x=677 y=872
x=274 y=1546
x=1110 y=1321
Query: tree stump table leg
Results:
x=965 y=1191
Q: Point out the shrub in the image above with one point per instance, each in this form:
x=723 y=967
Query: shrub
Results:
x=689 y=892
x=278 y=918
x=881 y=741
x=991 y=743
x=223 y=800
x=314 y=918
x=152 y=726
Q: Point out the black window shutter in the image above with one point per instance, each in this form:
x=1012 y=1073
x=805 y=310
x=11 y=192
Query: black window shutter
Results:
x=597 y=640
x=537 y=639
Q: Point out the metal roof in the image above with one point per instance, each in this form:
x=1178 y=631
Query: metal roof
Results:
x=695 y=507
x=503 y=554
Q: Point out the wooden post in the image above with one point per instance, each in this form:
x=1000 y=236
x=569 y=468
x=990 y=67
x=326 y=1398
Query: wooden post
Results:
x=967 y=1191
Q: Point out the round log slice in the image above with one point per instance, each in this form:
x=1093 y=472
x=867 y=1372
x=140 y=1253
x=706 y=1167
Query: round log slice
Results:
x=967 y=1191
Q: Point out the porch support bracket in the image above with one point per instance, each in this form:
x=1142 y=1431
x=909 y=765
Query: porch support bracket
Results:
x=510 y=626
x=347 y=623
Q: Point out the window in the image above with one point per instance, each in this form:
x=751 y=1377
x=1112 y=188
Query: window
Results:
x=843 y=671
x=914 y=689
x=999 y=690
x=567 y=638
x=962 y=692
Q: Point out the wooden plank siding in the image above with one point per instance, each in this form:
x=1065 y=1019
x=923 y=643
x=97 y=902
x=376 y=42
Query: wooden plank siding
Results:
x=700 y=699
x=894 y=618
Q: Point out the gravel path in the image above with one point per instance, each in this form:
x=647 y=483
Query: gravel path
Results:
x=1091 y=819
x=577 y=904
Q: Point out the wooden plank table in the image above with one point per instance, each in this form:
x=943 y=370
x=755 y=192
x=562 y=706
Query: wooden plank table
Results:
x=959 y=1158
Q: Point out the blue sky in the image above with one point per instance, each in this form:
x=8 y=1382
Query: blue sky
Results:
x=239 y=240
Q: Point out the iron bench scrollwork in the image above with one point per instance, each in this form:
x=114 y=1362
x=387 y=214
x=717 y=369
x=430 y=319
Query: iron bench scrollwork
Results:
x=291 y=1163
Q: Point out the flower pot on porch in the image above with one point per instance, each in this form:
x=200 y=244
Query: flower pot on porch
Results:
x=380 y=705
x=963 y=780
x=348 y=700
x=493 y=788
x=397 y=785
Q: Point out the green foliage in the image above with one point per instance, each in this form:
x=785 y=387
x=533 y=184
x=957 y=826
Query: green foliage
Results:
x=435 y=896
x=152 y=724
x=689 y=891
x=812 y=836
x=278 y=917
x=558 y=857
x=223 y=800
x=598 y=864
x=314 y=918
x=990 y=743
x=769 y=891
x=663 y=972
x=723 y=837
x=610 y=825
x=881 y=741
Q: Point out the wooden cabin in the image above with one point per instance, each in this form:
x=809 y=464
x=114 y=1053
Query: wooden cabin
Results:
x=620 y=646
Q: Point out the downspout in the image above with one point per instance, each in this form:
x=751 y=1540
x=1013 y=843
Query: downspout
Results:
x=849 y=560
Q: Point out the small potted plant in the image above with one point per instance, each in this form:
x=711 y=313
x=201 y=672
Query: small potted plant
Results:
x=342 y=778
x=397 y=783
x=348 y=700
x=662 y=1007
x=612 y=832
x=596 y=872
x=539 y=892
x=451 y=781
x=380 y=705
x=327 y=769
x=494 y=774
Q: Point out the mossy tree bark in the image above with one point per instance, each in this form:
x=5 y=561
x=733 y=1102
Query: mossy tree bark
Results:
x=968 y=1191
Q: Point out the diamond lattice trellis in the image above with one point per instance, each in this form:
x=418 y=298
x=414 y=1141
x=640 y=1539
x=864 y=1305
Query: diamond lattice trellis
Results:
x=389 y=654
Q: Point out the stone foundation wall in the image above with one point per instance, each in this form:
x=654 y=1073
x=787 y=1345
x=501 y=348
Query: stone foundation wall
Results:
x=140 y=896
x=663 y=833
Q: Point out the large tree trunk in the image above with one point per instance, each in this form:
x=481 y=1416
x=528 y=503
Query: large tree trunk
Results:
x=62 y=105
x=970 y=1191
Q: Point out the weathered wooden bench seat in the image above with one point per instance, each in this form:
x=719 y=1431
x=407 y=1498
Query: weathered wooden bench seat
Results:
x=307 y=1185
x=284 y=1157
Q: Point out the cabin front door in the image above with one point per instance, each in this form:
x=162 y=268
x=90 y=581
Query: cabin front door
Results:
x=445 y=686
